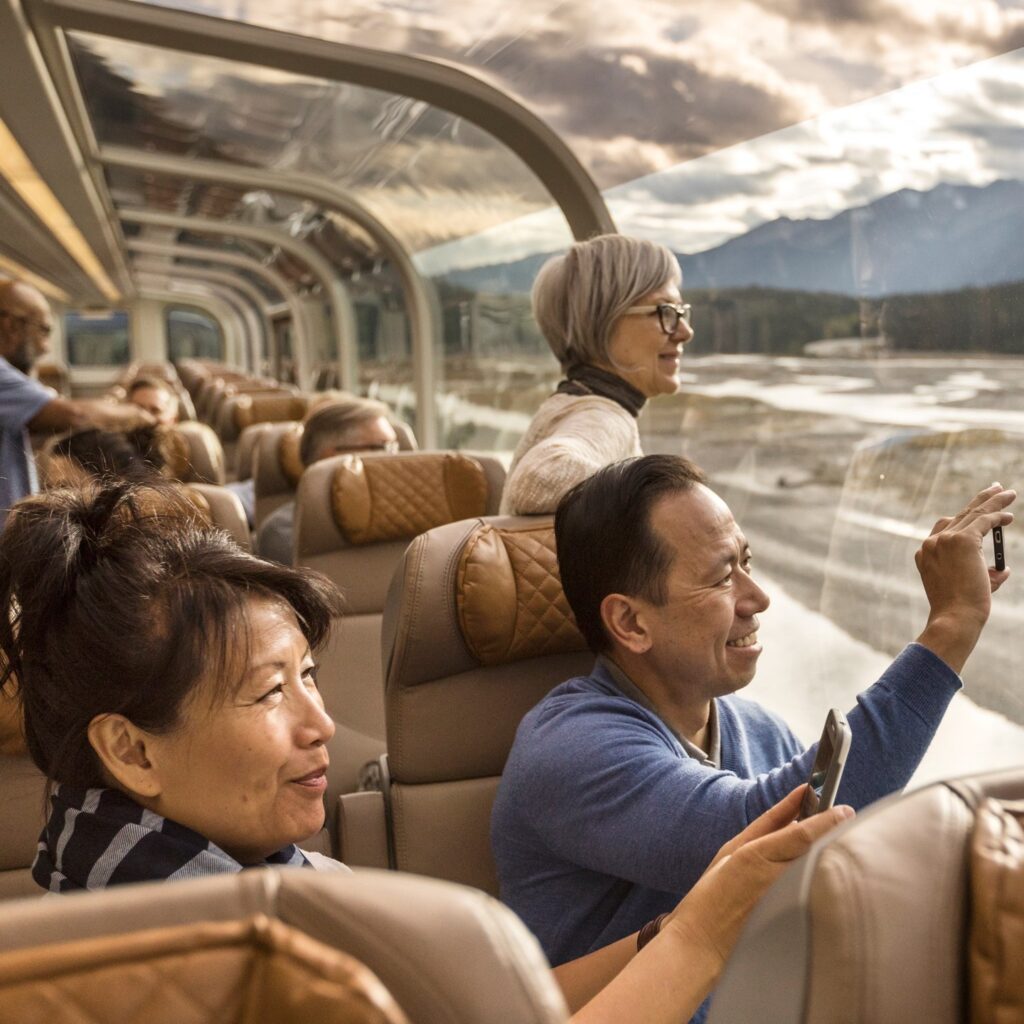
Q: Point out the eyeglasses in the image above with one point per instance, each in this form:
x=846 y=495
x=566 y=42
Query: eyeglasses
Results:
x=44 y=329
x=669 y=314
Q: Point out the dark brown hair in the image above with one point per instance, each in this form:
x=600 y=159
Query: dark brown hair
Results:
x=121 y=600
x=605 y=541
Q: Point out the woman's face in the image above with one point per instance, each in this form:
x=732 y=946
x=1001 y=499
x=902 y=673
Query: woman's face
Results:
x=249 y=772
x=641 y=353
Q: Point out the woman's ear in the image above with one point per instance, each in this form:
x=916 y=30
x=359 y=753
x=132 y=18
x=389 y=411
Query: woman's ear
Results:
x=121 y=747
x=624 y=623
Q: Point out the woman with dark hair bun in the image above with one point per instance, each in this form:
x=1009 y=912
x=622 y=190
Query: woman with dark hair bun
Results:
x=169 y=692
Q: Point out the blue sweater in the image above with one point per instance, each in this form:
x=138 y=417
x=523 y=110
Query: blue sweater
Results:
x=602 y=821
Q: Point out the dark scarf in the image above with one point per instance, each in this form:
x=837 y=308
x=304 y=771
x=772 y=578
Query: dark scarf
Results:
x=590 y=380
x=100 y=837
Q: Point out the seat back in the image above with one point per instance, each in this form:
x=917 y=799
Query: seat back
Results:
x=876 y=923
x=231 y=972
x=203 y=453
x=245 y=450
x=22 y=816
x=238 y=411
x=476 y=631
x=222 y=508
x=446 y=954
x=354 y=518
x=276 y=466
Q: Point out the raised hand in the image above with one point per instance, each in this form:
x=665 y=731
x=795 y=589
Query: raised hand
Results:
x=957 y=579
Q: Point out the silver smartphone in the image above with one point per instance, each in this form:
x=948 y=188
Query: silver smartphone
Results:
x=829 y=762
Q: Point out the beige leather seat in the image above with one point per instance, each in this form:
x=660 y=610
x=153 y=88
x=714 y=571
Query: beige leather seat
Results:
x=202 y=455
x=446 y=955
x=21 y=820
x=236 y=412
x=277 y=465
x=249 y=971
x=907 y=913
x=354 y=518
x=476 y=631
x=222 y=508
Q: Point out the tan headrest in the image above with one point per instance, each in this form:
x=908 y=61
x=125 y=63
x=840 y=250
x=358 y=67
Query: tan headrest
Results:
x=390 y=499
x=177 y=454
x=201 y=503
x=997 y=913
x=510 y=599
x=292 y=465
x=256 y=408
x=208 y=972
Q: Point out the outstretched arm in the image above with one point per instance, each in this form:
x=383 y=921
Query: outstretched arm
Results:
x=671 y=976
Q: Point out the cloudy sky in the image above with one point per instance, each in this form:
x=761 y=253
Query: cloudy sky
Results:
x=698 y=118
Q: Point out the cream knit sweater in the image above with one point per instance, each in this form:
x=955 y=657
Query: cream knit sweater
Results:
x=570 y=438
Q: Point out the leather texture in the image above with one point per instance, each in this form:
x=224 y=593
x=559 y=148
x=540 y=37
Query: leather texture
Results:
x=450 y=719
x=387 y=499
x=448 y=955
x=271 y=486
x=233 y=972
x=206 y=455
x=997 y=914
x=288 y=456
x=233 y=412
x=871 y=926
x=223 y=509
x=510 y=599
x=245 y=451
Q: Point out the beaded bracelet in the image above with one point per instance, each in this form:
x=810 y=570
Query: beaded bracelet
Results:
x=648 y=931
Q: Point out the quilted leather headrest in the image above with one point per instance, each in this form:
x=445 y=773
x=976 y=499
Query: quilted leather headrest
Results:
x=392 y=499
x=509 y=596
x=250 y=409
x=288 y=454
x=997 y=912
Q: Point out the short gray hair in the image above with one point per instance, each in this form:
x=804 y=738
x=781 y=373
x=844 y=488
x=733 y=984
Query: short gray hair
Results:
x=331 y=421
x=578 y=297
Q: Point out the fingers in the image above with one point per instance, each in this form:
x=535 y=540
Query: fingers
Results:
x=987 y=510
x=797 y=838
x=775 y=818
x=997 y=577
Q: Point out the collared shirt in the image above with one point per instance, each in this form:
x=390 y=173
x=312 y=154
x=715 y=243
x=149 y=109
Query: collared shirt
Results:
x=20 y=399
x=712 y=757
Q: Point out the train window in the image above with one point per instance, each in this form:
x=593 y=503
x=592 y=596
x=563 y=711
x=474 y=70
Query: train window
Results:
x=192 y=334
x=98 y=339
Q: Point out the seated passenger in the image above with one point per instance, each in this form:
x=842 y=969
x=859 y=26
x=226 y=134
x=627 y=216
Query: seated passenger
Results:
x=611 y=310
x=350 y=425
x=25 y=327
x=620 y=786
x=169 y=689
x=89 y=455
x=156 y=397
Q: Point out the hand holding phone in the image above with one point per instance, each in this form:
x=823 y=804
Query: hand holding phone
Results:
x=997 y=544
x=828 y=766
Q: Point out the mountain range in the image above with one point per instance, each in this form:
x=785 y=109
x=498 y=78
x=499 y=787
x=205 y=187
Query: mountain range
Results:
x=909 y=242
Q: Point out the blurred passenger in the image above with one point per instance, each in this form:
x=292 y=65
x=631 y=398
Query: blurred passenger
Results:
x=25 y=327
x=88 y=456
x=611 y=310
x=169 y=689
x=347 y=426
x=621 y=785
x=156 y=397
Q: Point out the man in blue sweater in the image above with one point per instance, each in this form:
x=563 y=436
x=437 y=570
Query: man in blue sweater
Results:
x=623 y=784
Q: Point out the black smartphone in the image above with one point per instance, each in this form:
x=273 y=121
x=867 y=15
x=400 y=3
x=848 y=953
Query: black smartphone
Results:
x=828 y=766
x=997 y=544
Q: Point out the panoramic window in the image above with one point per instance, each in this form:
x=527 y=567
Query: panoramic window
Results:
x=98 y=339
x=192 y=334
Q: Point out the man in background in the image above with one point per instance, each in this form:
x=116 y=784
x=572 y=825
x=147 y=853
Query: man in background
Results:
x=26 y=324
x=348 y=426
x=155 y=397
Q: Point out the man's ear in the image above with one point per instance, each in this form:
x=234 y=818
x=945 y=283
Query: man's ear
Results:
x=624 y=623
x=121 y=747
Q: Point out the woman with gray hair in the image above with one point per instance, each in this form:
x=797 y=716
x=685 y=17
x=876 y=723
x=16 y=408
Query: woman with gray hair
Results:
x=611 y=310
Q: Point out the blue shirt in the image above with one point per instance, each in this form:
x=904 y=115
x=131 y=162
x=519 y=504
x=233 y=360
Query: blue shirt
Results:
x=603 y=820
x=20 y=399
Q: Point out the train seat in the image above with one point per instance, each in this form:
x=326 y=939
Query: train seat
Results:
x=245 y=450
x=476 y=631
x=446 y=955
x=912 y=911
x=222 y=508
x=22 y=813
x=204 y=973
x=355 y=515
x=238 y=411
x=204 y=460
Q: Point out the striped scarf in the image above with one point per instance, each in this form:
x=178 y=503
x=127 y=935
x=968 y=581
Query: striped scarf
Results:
x=100 y=837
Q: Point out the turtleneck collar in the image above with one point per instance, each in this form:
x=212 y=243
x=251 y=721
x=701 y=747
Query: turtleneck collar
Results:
x=592 y=380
